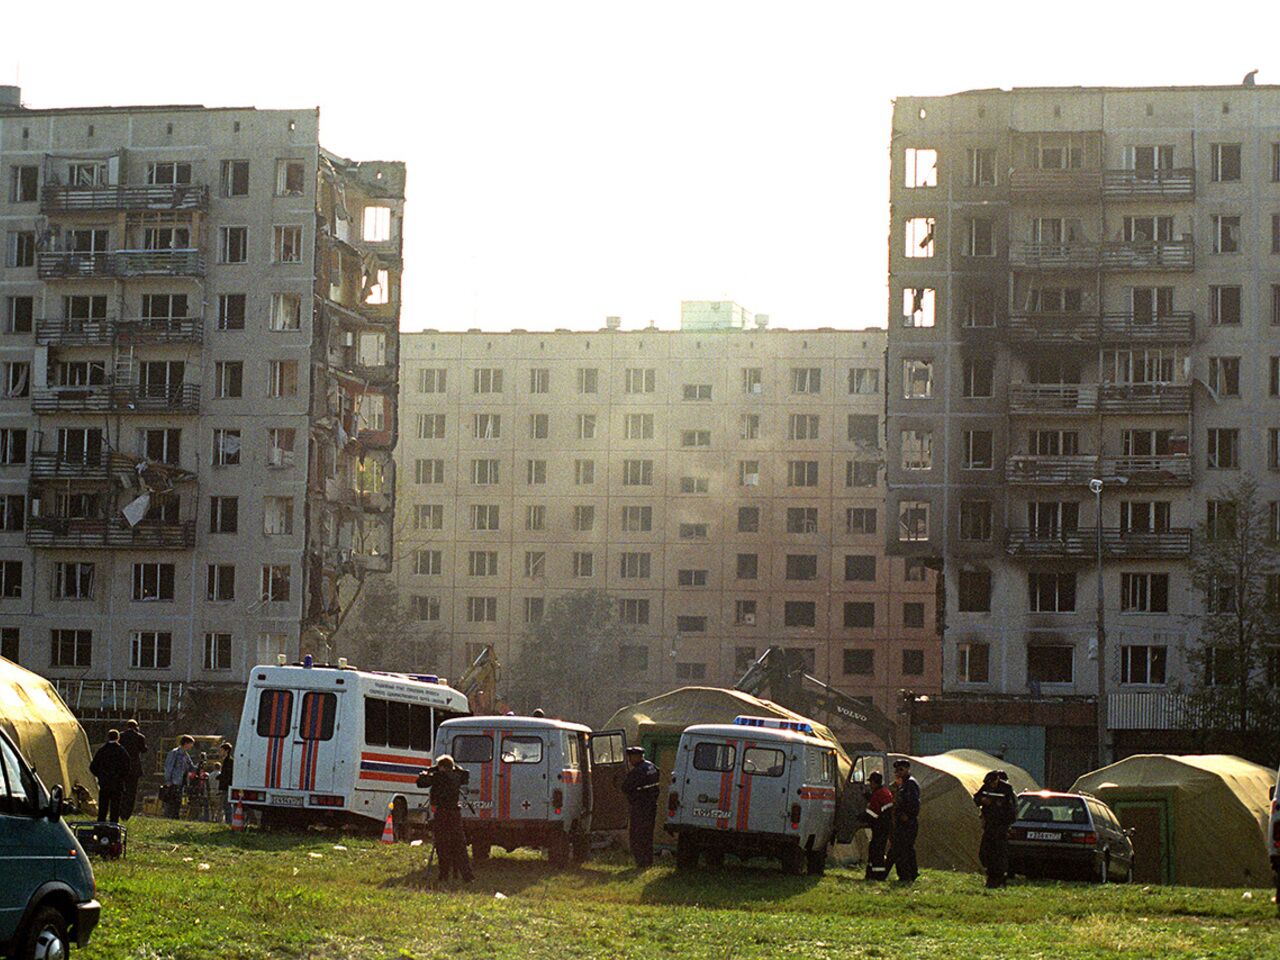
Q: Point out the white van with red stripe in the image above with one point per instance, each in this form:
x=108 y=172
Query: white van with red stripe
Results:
x=759 y=787
x=331 y=744
x=535 y=782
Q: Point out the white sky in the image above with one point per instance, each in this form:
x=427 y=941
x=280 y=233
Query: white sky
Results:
x=569 y=161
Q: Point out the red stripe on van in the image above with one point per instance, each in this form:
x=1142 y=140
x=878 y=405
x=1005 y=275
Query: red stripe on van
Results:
x=389 y=777
x=817 y=793
x=486 y=781
x=726 y=790
x=744 y=792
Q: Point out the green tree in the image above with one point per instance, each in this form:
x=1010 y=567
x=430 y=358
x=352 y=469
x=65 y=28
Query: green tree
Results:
x=1235 y=567
x=382 y=633
x=569 y=662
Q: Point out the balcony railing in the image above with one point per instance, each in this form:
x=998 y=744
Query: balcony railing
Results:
x=1155 y=471
x=1173 y=469
x=1032 y=469
x=65 y=332
x=1158 y=255
x=1082 y=544
x=183 y=196
x=1053 y=397
x=1145 y=398
x=1068 y=255
x=116 y=532
x=57 y=466
x=1177 y=184
x=183 y=398
x=121 y=263
x=1071 y=328
x=1033 y=184
x=1067 y=398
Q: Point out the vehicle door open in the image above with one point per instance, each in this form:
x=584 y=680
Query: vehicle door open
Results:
x=608 y=766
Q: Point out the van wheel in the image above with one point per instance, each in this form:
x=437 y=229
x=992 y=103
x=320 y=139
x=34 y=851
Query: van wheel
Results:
x=793 y=860
x=581 y=844
x=816 y=861
x=46 y=937
x=558 y=851
x=686 y=852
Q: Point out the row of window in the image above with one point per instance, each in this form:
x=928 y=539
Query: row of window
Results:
x=233 y=243
x=148 y=649
x=1140 y=664
x=159 y=445
x=234 y=181
x=643 y=380
x=153 y=582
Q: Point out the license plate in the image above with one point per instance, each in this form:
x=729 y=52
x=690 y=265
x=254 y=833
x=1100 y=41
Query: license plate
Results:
x=282 y=800
x=1042 y=835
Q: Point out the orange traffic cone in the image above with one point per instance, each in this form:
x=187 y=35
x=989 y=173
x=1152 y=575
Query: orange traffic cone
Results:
x=389 y=828
x=237 y=817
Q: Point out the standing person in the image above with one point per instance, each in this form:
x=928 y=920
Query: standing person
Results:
x=640 y=787
x=135 y=744
x=177 y=765
x=879 y=814
x=225 y=774
x=451 y=840
x=110 y=765
x=998 y=805
x=906 y=822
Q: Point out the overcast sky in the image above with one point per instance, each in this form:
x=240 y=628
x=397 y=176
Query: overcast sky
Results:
x=569 y=161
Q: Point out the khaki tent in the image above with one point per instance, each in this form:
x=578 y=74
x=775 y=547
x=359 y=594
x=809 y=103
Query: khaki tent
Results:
x=47 y=733
x=950 y=825
x=1197 y=820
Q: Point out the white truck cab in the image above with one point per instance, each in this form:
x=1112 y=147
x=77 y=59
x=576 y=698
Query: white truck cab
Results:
x=535 y=782
x=760 y=786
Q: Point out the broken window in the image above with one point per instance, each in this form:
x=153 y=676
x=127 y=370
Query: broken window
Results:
x=1224 y=162
x=286 y=312
x=150 y=650
x=752 y=379
x=800 y=473
x=1146 y=160
x=235 y=178
x=922 y=167
x=973 y=662
x=806 y=380
x=277 y=516
x=223 y=514
x=919 y=236
x=1226 y=234
x=377 y=224
x=87 y=174
x=864 y=380
x=1224 y=376
x=87 y=241
x=1051 y=591
x=861 y=473
x=484 y=516
x=280 y=441
x=433 y=380
x=918 y=306
x=153 y=581
x=288 y=245
x=802 y=520
x=226 y=447
x=379 y=290
x=1223 y=449
x=291 y=178
x=372 y=412
x=73 y=580
x=800 y=426
x=913 y=521
x=168 y=173
x=233 y=244
x=917 y=449
x=974 y=590
x=431 y=426
x=917 y=379
x=1049 y=663
x=486 y=426
x=799 y=613
x=975 y=520
x=166 y=238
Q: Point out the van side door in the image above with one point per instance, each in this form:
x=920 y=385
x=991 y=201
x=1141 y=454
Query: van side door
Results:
x=608 y=754
x=709 y=782
x=29 y=847
x=524 y=788
x=472 y=750
x=763 y=804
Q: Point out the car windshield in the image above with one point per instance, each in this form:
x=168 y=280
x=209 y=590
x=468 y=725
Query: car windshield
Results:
x=1038 y=809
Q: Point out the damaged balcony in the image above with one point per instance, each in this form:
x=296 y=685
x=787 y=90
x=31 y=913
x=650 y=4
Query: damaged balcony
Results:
x=123 y=264
x=73 y=333
x=1152 y=471
x=1066 y=329
x=182 y=398
x=1150 y=184
x=1072 y=398
x=1082 y=544
x=113 y=533
x=57 y=466
x=1055 y=185
x=183 y=196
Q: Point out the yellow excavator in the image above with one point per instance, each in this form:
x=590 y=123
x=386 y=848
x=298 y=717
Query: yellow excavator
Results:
x=480 y=683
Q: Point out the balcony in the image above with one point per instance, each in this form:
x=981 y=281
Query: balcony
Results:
x=1082 y=544
x=1064 y=329
x=183 y=398
x=1067 y=255
x=1060 y=185
x=1177 y=184
x=1159 y=255
x=1072 y=398
x=122 y=264
x=109 y=534
x=75 y=333
x=186 y=196
x=1167 y=470
x=1040 y=398
x=1145 y=398
x=1033 y=470
x=57 y=466
x=1157 y=471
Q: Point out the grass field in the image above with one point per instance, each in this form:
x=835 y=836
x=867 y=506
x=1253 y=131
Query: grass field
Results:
x=192 y=891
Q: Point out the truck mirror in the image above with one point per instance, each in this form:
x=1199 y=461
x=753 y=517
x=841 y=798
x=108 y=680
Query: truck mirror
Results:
x=54 y=810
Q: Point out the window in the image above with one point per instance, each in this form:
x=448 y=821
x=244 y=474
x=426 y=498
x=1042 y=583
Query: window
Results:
x=860 y=567
x=275 y=583
x=744 y=614
x=588 y=380
x=485 y=472
x=235 y=178
x=584 y=517
x=691 y=578
x=286 y=314
x=484 y=516
x=22 y=249
x=979 y=376
x=233 y=244
x=150 y=650
x=280 y=442
x=1050 y=663
x=691 y=624
x=228 y=379
x=1225 y=162
x=535 y=517
x=748 y=473
x=975 y=521
x=282 y=378
x=73 y=580
x=1221 y=666
x=223 y=514
x=752 y=380
x=1224 y=376
x=913 y=615
x=801 y=566
x=24 y=184
x=378 y=287
x=912 y=663
x=486 y=380
x=917 y=379
x=433 y=380
x=858 y=663
x=919 y=237
x=1144 y=592
x=168 y=174
x=231 y=311
x=71 y=648
x=864 y=380
x=638 y=426
x=693 y=531
x=859 y=615
x=290 y=178
x=584 y=472
x=287 y=247
x=1226 y=234
x=1051 y=592
x=19 y=315
x=277 y=516
x=919 y=306
x=1225 y=305
x=428 y=471
x=220 y=582
x=1143 y=663
x=973 y=663
x=714 y=757
x=802 y=519
x=486 y=426
x=16 y=380
x=861 y=473
x=802 y=473
x=917 y=449
x=535 y=472
x=921 y=167
x=637 y=473
x=482 y=563
x=9 y=643
x=696 y=391
x=13 y=511
x=586 y=426
x=743 y=657
x=152 y=581
x=802 y=426
x=982 y=167
x=748 y=566
x=640 y=380
x=762 y=762
x=428 y=563
x=799 y=613
x=634 y=611
x=748 y=519
x=977 y=450
x=974 y=590
x=226 y=447
x=1220 y=519
x=377 y=224
x=637 y=519
x=915 y=570
x=806 y=380
x=1223 y=449
x=633 y=566
x=695 y=438
x=981 y=237
x=10 y=579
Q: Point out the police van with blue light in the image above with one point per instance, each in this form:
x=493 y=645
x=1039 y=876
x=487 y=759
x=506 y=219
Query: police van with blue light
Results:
x=326 y=743
x=759 y=787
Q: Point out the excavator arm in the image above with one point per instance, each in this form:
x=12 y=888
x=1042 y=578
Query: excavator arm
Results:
x=480 y=682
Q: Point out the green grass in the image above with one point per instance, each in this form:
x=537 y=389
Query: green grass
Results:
x=298 y=897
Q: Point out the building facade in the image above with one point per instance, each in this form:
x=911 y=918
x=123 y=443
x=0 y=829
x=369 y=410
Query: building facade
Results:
x=1084 y=285
x=199 y=347
x=723 y=483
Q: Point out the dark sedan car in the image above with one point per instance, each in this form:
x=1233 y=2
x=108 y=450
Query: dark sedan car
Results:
x=1069 y=836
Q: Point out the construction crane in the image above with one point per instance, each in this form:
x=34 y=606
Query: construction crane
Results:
x=480 y=683
x=781 y=675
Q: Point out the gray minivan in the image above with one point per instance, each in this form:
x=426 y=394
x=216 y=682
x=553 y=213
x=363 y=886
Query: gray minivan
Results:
x=46 y=884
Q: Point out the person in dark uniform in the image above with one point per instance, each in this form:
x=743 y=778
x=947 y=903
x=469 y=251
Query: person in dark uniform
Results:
x=998 y=805
x=906 y=822
x=451 y=840
x=640 y=787
x=879 y=816
x=110 y=765
x=135 y=744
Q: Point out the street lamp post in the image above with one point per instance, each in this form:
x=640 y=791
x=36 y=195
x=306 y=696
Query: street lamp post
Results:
x=1104 y=751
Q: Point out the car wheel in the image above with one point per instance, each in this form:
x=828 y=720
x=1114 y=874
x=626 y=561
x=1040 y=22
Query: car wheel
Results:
x=816 y=861
x=1104 y=868
x=46 y=937
x=793 y=860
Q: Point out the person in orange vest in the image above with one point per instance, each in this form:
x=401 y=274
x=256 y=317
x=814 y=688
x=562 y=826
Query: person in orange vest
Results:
x=879 y=816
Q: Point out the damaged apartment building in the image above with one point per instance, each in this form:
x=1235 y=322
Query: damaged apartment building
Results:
x=199 y=337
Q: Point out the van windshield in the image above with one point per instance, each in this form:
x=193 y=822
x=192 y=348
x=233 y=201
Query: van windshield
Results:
x=22 y=792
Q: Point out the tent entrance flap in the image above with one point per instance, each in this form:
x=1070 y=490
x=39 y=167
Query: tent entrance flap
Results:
x=1149 y=821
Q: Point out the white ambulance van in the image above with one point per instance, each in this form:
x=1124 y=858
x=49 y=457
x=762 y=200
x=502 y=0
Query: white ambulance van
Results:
x=331 y=744
x=535 y=782
x=759 y=787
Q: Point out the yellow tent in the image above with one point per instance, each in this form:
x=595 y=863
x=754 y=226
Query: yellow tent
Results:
x=1197 y=820
x=47 y=733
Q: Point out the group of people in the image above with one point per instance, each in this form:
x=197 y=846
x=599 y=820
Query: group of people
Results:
x=117 y=766
x=894 y=817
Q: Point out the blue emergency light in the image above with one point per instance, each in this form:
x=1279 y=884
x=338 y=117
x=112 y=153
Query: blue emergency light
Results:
x=774 y=723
